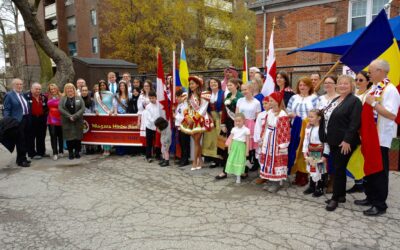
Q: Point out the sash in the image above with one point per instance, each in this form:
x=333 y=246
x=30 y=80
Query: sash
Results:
x=101 y=103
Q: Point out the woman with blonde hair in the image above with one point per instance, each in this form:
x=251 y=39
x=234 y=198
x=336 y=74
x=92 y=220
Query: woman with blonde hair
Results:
x=72 y=107
x=54 y=121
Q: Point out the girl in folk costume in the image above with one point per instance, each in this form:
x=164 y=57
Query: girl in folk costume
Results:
x=316 y=154
x=196 y=119
x=239 y=141
x=103 y=101
x=274 y=156
x=209 y=147
x=250 y=107
x=259 y=130
x=228 y=117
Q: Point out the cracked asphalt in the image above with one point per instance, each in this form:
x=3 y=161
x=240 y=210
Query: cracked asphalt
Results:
x=127 y=203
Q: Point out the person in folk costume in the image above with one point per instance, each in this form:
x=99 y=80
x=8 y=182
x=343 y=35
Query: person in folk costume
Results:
x=298 y=107
x=196 y=119
x=259 y=130
x=215 y=107
x=229 y=73
x=274 y=150
x=322 y=102
x=228 y=117
x=104 y=106
x=283 y=85
x=250 y=107
x=120 y=106
x=384 y=99
x=356 y=161
x=239 y=142
x=316 y=154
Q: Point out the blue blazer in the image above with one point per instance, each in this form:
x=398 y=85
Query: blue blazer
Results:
x=12 y=106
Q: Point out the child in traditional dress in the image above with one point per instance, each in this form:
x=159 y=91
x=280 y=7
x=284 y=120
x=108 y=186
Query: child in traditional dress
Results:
x=274 y=151
x=316 y=154
x=163 y=126
x=238 y=150
x=259 y=130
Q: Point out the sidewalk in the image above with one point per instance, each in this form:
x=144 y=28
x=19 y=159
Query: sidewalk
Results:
x=127 y=203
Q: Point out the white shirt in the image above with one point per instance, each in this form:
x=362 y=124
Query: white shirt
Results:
x=312 y=136
x=239 y=134
x=23 y=102
x=179 y=113
x=260 y=121
x=302 y=105
x=249 y=108
x=113 y=87
x=323 y=102
x=143 y=100
x=151 y=113
x=387 y=128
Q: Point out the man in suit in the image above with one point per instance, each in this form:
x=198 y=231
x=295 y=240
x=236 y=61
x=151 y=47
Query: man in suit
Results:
x=36 y=136
x=112 y=83
x=127 y=78
x=16 y=106
x=385 y=100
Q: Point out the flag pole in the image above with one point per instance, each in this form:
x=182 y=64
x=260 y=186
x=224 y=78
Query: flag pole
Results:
x=246 y=38
x=333 y=68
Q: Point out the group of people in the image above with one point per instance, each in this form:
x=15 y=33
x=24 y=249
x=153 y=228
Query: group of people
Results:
x=232 y=125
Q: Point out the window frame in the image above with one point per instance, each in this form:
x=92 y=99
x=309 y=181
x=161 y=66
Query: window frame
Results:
x=93 y=21
x=76 y=48
x=97 y=45
x=368 y=17
x=71 y=28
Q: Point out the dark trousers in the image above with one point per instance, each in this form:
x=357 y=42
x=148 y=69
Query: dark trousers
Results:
x=339 y=162
x=74 y=146
x=184 y=141
x=377 y=185
x=56 y=138
x=21 y=140
x=150 y=135
x=36 y=135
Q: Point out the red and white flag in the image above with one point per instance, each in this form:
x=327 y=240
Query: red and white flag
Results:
x=162 y=95
x=270 y=69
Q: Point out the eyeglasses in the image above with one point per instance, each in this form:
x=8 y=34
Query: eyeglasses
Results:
x=359 y=80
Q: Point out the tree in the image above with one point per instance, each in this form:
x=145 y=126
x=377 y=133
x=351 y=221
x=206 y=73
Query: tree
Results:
x=136 y=27
x=28 y=9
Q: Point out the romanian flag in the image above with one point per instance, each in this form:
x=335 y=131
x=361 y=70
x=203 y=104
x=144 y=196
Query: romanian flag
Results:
x=245 y=79
x=376 y=42
x=183 y=69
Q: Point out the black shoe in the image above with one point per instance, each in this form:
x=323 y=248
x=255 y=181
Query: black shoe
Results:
x=71 y=156
x=244 y=176
x=213 y=165
x=340 y=200
x=28 y=161
x=332 y=205
x=364 y=202
x=357 y=188
x=309 y=190
x=24 y=164
x=318 y=193
x=220 y=177
x=77 y=156
x=161 y=162
x=183 y=163
x=374 y=211
x=165 y=164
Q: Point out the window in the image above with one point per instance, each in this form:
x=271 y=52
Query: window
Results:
x=95 y=45
x=72 y=49
x=93 y=17
x=71 y=23
x=69 y=2
x=362 y=12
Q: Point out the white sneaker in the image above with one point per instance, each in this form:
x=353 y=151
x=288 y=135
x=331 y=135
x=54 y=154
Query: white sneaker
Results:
x=60 y=155
x=55 y=157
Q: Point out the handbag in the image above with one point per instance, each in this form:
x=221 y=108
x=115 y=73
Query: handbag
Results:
x=221 y=140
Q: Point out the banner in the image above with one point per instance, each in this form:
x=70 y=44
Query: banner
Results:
x=122 y=130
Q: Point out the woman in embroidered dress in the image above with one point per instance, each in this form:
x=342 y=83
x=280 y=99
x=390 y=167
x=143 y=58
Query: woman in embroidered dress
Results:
x=298 y=107
x=228 y=117
x=274 y=151
x=54 y=121
x=120 y=106
x=283 y=84
x=104 y=106
x=196 y=120
x=250 y=107
x=209 y=147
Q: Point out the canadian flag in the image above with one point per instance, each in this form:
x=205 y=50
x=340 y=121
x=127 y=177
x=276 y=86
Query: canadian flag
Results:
x=270 y=69
x=162 y=95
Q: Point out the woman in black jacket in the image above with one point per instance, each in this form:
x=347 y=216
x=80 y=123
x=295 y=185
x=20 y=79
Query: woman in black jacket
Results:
x=339 y=128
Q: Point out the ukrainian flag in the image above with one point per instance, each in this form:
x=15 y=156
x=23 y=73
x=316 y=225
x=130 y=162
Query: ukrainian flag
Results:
x=183 y=69
x=376 y=42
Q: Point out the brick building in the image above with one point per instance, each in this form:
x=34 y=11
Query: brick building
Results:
x=303 y=22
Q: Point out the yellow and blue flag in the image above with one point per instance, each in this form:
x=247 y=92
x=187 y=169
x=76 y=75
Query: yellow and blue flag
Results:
x=376 y=42
x=183 y=69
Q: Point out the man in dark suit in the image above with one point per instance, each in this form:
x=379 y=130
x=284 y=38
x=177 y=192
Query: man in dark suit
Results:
x=16 y=106
x=112 y=82
x=36 y=136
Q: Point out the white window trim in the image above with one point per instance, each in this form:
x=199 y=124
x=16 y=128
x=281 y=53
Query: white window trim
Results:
x=368 y=14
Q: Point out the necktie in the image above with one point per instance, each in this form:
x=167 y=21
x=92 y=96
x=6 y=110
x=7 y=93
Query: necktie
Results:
x=24 y=107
